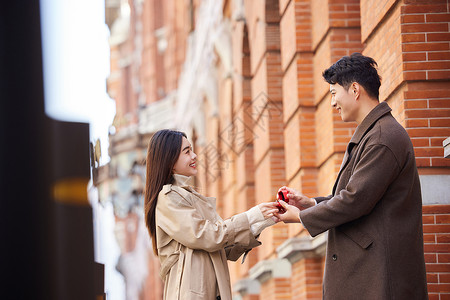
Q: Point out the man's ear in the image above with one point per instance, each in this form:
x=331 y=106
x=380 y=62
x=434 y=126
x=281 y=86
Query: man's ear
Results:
x=356 y=90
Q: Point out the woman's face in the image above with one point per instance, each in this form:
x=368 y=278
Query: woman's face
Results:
x=185 y=164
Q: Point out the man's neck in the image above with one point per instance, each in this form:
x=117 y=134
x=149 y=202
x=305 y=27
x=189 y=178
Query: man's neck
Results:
x=366 y=107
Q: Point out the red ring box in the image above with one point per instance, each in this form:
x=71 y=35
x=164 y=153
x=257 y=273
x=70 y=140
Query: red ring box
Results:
x=282 y=195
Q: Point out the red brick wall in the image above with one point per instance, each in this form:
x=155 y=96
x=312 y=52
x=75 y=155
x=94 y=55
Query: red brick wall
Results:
x=152 y=68
x=140 y=66
x=436 y=228
x=276 y=288
x=306 y=279
x=410 y=42
x=426 y=57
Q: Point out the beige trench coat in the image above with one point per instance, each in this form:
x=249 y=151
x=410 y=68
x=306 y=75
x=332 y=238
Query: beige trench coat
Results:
x=194 y=243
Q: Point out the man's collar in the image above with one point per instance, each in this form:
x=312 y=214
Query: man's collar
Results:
x=380 y=110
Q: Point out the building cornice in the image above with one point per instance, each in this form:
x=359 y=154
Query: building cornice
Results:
x=446 y=144
x=247 y=286
x=268 y=269
x=297 y=248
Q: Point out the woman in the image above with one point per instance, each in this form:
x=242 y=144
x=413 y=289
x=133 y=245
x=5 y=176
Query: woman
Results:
x=192 y=241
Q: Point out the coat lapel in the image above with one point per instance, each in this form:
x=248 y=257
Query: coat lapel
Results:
x=345 y=161
x=376 y=113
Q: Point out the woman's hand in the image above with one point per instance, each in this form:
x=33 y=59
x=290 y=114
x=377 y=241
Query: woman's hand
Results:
x=268 y=209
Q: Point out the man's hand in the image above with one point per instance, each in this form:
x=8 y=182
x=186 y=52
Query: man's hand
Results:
x=297 y=199
x=290 y=214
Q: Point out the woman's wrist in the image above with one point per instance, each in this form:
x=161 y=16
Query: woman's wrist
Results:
x=257 y=221
x=254 y=215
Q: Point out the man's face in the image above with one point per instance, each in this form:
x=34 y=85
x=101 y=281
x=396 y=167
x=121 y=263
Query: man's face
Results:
x=344 y=102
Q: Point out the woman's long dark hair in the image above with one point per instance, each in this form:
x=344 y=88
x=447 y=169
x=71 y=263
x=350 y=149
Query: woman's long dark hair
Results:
x=163 y=151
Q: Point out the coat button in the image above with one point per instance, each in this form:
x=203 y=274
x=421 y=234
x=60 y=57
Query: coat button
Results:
x=334 y=257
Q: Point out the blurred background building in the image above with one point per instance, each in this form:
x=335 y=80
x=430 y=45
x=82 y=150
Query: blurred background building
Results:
x=243 y=80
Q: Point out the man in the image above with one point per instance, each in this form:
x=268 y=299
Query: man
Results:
x=374 y=215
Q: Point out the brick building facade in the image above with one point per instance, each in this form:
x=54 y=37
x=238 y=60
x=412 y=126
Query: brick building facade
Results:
x=243 y=79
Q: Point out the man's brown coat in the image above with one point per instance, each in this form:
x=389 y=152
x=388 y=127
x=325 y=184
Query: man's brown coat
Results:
x=374 y=217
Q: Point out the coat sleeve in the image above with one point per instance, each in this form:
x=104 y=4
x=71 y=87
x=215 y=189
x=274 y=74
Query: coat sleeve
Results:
x=369 y=181
x=320 y=199
x=178 y=218
x=235 y=251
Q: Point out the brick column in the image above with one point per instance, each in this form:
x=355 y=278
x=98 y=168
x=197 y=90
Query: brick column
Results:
x=332 y=38
x=274 y=278
x=307 y=257
x=315 y=136
x=298 y=101
x=266 y=110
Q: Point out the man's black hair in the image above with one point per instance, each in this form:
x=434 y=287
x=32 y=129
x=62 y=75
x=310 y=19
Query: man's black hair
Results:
x=355 y=68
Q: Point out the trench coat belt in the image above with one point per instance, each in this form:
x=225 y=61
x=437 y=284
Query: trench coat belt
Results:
x=169 y=262
x=179 y=273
